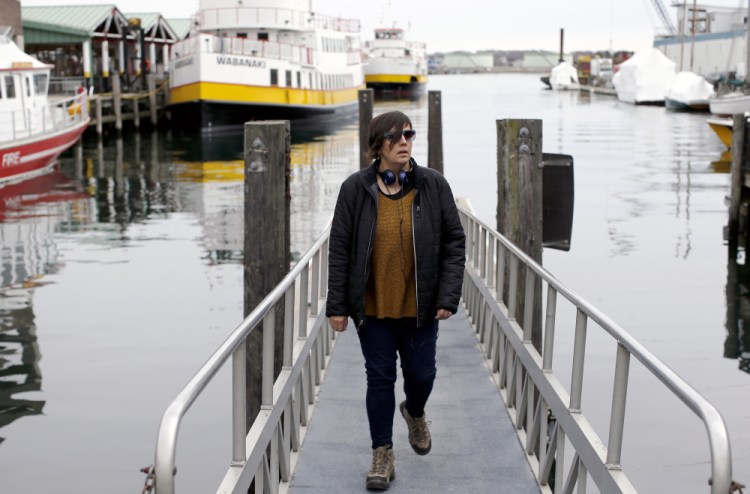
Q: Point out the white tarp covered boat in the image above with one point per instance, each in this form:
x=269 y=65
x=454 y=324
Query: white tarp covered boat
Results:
x=564 y=76
x=644 y=78
x=689 y=91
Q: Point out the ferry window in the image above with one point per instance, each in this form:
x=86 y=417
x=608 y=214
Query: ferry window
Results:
x=288 y=78
x=242 y=35
x=40 y=84
x=274 y=77
x=299 y=79
x=310 y=80
x=28 y=87
x=10 y=87
x=263 y=36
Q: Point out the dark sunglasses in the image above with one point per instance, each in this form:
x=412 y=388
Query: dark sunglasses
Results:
x=409 y=135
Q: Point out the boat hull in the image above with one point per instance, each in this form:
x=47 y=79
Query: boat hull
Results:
x=730 y=104
x=26 y=158
x=209 y=117
x=676 y=105
x=406 y=86
x=723 y=129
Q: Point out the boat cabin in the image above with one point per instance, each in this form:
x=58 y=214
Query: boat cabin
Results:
x=24 y=82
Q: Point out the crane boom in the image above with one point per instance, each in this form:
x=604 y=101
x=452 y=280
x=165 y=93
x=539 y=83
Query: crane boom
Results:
x=664 y=16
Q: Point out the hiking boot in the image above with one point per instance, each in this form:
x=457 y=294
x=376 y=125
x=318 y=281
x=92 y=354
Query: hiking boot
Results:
x=419 y=434
x=382 y=470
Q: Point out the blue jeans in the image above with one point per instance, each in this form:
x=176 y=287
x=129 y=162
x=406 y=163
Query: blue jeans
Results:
x=381 y=341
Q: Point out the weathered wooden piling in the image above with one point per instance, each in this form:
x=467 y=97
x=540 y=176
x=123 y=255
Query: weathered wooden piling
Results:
x=519 y=200
x=99 y=123
x=435 y=131
x=267 y=238
x=151 y=80
x=117 y=100
x=739 y=136
x=366 y=97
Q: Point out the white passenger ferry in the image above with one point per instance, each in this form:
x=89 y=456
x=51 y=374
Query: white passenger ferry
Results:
x=261 y=59
x=395 y=65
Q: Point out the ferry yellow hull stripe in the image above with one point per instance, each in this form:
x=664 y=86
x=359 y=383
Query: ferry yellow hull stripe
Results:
x=259 y=95
x=395 y=78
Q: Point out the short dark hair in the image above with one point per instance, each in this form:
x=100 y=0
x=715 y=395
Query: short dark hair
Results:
x=381 y=124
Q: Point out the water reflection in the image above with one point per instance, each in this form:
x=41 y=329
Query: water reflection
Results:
x=737 y=344
x=31 y=212
x=723 y=163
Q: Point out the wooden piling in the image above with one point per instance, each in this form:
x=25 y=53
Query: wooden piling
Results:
x=267 y=237
x=435 y=131
x=136 y=101
x=99 y=124
x=117 y=100
x=152 y=98
x=519 y=200
x=366 y=97
x=738 y=157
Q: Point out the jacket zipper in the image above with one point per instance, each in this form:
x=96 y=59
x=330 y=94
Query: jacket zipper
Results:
x=367 y=264
x=416 y=205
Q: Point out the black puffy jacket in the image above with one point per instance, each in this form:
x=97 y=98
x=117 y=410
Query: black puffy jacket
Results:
x=439 y=244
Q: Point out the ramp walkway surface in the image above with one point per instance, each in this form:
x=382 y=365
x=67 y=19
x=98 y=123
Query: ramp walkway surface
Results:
x=474 y=444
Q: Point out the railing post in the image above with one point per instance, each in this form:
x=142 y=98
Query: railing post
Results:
x=579 y=352
x=239 y=406
x=619 y=397
x=268 y=360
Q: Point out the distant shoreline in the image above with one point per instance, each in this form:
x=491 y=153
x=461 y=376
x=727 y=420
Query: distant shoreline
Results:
x=496 y=70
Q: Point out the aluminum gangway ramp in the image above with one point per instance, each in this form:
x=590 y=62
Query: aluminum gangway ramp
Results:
x=475 y=447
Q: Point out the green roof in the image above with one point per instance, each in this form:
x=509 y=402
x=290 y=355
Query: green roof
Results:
x=69 y=19
x=181 y=27
x=155 y=26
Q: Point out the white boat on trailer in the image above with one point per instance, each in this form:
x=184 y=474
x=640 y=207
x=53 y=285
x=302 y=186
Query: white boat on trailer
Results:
x=258 y=59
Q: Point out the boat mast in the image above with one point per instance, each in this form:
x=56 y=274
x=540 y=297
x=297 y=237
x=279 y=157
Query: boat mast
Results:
x=747 y=45
x=692 y=30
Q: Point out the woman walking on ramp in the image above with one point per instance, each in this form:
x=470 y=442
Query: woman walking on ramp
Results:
x=396 y=266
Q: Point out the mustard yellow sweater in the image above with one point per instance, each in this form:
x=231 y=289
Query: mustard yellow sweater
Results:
x=391 y=288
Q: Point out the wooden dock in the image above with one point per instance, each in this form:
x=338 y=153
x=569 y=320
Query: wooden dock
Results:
x=116 y=107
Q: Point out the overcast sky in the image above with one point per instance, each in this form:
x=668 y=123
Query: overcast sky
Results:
x=480 y=24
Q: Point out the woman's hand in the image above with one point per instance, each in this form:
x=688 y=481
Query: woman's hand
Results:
x=338 y=323
x=443 y=314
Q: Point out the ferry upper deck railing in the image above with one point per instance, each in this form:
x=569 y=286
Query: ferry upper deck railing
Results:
x=531 y=389
x=272 y=18
x=232 y=45
x=279 y=427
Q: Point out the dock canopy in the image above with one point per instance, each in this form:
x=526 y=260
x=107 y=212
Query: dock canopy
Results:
x=86 y=43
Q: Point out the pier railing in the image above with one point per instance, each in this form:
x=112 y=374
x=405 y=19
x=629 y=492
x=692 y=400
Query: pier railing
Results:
x=534 y=394
x=267 y=453
x=531 y=390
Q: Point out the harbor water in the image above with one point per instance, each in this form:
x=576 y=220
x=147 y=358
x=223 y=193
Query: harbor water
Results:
x=122 y=272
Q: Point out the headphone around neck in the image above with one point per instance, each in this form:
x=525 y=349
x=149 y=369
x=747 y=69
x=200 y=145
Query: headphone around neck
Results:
x=389 y=178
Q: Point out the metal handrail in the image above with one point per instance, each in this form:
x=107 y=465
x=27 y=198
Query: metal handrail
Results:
x=482 y=243
x=164 y=466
